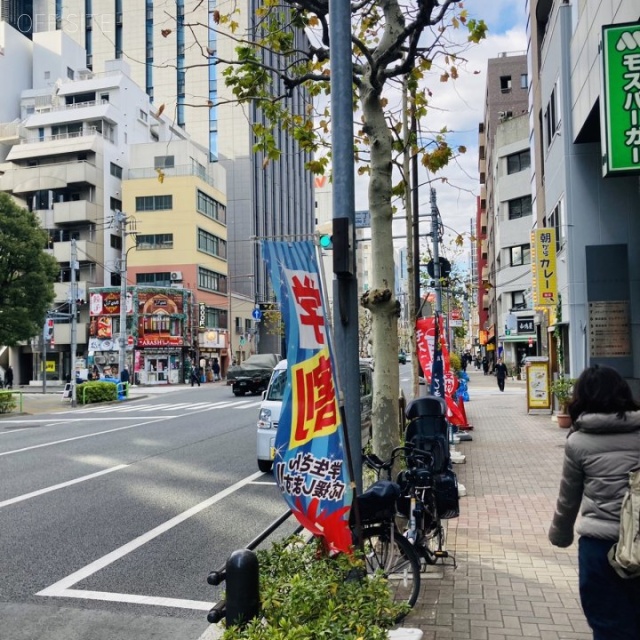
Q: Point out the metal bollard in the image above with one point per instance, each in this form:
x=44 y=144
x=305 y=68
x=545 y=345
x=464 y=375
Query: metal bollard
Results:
x=243 y=588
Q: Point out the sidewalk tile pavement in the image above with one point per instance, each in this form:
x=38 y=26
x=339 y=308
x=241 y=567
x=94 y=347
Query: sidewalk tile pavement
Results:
x=510 y=583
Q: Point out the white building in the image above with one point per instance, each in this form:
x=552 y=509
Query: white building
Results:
x=65 y=159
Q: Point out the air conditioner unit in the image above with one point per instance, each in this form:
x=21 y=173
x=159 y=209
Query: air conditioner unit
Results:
x=176 y=275
x=113 y=359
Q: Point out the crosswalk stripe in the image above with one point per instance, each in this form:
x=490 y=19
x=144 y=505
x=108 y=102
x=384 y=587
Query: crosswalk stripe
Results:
x=186 y=406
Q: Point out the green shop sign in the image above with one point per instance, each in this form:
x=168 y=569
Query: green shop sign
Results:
x=620 y=106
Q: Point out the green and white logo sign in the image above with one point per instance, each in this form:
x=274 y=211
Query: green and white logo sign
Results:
x=621 y=98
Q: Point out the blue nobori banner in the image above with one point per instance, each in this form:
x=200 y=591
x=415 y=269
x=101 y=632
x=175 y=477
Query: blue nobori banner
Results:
x=311 y=466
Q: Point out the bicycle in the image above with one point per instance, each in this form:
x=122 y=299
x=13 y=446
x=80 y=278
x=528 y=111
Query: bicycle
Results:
x=384 y=548
x=417 y=503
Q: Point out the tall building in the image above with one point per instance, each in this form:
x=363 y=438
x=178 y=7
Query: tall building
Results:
x=75 y=146
x=506 y=97
x=592 y=207
x=174 y=55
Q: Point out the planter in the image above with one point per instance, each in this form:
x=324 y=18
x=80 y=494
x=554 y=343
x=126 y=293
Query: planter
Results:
x=564 y=420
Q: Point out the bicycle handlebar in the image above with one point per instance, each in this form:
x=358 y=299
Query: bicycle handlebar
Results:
x=377 y=464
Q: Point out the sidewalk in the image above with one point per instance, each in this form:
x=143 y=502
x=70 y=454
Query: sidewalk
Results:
x=510 y=582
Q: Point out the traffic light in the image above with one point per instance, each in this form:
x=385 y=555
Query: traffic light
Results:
x=343 y=241
x=326 y=241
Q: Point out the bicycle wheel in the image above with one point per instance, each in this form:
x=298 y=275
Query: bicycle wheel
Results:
x=393 y=556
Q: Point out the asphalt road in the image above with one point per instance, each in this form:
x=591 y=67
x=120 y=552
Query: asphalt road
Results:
x=112 y=517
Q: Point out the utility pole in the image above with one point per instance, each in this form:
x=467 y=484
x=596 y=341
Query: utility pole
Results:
x=344 y=256
x=74 y=320
x=435 y=238
x=122 y=341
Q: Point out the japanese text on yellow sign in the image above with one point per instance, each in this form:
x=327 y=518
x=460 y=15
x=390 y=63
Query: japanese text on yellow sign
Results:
x=544 y=267
x=315 y=405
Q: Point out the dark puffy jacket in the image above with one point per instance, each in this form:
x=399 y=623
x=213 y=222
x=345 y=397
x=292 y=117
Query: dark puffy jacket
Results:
x=599 y=455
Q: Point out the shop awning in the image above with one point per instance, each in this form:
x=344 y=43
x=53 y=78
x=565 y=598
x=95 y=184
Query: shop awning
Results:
x=518 y=338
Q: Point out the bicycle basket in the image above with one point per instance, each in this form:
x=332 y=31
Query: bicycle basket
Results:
x=378 y=502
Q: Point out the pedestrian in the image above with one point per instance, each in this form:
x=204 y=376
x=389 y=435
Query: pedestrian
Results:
x=501 y=373
x=485 y=365
x=8 y=377
x=124 y=376
x=603 y=446
x=216 y=370
x=194 y=376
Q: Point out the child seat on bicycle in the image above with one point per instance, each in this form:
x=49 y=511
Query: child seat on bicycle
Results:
x=428 y=430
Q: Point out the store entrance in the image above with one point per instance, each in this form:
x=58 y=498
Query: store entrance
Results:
x=157 y=369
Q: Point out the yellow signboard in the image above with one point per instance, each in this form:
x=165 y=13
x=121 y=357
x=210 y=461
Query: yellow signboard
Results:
x=538 y=391
x=543 y=264
x=51 y=366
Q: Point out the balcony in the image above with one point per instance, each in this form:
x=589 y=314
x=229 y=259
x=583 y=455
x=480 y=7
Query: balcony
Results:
x=76 y=211
x=86 y=251
x=48 y=176
x=62 y=290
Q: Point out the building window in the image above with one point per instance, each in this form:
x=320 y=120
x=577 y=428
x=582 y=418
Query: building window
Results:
x=154 y=203
x=70 y=73
x=161 y=279
x=116 y=242
x=520 y=255
x=164 y=162
x=143 y=116
x=505 y=84
x=519 y=207
x=115 y=170
x=524 y=80
x=211 y=281
x=518 y=161
x=211 y=244
x=518 y=300
x=154 y=241
x=552 y=115
x=215 y=318
x=211 y=207
x=115 y=204
x=104 y=97
x=556 y=222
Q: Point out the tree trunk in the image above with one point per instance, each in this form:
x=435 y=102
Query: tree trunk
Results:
x=380 y=299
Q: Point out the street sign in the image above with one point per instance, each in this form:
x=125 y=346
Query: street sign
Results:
x=130 y=340
x=257 y=314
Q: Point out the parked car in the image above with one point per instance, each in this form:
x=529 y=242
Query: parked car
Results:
x=257 y=364
x=255 y=383
x=271 y=407
x=402 y=357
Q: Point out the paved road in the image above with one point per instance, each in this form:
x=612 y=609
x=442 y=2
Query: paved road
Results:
x=113 y=516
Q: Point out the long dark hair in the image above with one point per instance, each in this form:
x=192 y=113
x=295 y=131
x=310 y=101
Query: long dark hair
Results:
x=601 y=390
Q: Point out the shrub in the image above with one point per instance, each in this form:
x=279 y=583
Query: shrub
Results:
x=306 y=594
x=7 y=402
x=455 y=362
x=91 y=392
x=562 y=389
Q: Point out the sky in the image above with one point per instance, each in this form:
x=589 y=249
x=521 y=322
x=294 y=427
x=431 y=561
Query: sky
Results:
x=459 y=105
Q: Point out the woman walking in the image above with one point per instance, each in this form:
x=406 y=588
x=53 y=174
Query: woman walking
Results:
x=501 y=373
x=602 y=448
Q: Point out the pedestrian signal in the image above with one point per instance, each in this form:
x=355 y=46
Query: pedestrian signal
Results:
x=47 y=331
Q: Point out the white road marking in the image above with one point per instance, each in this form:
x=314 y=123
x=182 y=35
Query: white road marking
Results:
x=62 y=485
x=108 y=596
x=61 y=588
x=86 y=435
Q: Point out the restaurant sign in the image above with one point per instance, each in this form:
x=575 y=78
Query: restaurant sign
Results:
x=620 y=106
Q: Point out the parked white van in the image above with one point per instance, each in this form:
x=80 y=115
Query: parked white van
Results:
x=272 y=406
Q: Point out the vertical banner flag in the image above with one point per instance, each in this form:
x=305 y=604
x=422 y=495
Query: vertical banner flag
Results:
x=311 y=467
x=436 y=388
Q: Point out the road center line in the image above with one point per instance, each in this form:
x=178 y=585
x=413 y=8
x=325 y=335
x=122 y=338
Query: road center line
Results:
x=62 y=485
x=58 y=589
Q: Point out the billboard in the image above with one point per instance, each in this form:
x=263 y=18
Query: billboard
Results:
x=620 y=100
x=543 y=264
